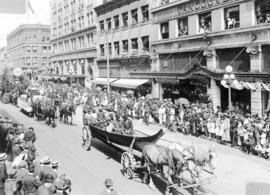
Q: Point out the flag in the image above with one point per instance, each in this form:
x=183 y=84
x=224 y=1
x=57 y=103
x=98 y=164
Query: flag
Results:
x=12 y=6
x=29 y=6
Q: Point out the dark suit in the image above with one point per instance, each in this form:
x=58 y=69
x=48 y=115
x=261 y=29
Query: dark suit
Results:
x=30 y=184
x=3 y=176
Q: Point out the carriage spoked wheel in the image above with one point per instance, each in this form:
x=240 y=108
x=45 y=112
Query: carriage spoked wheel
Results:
x=128 y=163
x=86 y=138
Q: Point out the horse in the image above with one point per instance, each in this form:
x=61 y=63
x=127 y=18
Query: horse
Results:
x=200 y=156
x=154 y=157
x=66 y=112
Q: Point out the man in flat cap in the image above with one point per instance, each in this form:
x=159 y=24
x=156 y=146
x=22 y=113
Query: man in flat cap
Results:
x=109 y=188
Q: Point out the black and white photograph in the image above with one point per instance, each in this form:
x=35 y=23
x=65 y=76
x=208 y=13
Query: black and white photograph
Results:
x=135 y=97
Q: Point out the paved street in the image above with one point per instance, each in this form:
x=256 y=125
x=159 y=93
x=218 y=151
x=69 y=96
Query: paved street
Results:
x=88 y=170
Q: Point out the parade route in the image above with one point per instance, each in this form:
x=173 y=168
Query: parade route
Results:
x=88 y=170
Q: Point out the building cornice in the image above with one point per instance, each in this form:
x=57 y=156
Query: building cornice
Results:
x=89 y=49
x=210 y=35
x=90 y=28
x=111 y=5
x=202 y=70
x=29 y=27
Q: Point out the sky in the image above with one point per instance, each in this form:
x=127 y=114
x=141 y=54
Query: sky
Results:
x=9 y=22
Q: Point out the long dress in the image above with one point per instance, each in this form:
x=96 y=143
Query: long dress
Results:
x=226 y=132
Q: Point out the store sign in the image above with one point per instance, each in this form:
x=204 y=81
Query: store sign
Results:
x=197 y=5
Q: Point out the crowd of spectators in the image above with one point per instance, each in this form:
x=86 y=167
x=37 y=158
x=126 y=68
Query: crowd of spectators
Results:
x=20 y=172
x=237 y=128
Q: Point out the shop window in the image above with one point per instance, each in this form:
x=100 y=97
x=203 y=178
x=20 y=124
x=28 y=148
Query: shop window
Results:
x=125 y=46
x=164 y=2
x=134 y=14
x=205 y=22
x=101 y=26
x=232 y=17
x=116 y=22
x=182 y=27
x=102 y=50
x=262 y=11
x=110 y=48
x=145 y=43
x=164 y=29
x=109 y=24
x=134 y=46
x=116 y=48
x=145 y=13
x=125 y=19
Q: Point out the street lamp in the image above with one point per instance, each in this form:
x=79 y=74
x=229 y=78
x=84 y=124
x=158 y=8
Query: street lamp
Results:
x=228 y=79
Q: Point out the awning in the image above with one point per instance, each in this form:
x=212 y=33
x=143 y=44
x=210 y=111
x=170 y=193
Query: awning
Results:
x=129 y=83
x=103 y=81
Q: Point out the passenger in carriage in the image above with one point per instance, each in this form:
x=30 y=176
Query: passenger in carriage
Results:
x=100 y=115
x=118 y=124
x=128 y=125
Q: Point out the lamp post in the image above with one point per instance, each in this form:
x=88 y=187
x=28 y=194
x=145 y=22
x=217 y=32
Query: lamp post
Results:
x=228 y=78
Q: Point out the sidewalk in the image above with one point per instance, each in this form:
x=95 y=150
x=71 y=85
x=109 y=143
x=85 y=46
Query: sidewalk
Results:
x=170 y=137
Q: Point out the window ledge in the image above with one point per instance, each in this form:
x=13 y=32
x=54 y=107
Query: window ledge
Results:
x=215 y=33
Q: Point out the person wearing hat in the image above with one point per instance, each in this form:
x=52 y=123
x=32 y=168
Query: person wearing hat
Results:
x=46 y=169
x=60 y=186
x=47 y=188
x=30 y=135
x=109 y=188
x=128 y=125
x=3 y=172
x=55 y=166
x=267 y=20
x=10 y=183
x=30 y=183
x=21 y=171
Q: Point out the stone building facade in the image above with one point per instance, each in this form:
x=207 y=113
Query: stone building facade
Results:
x=124 y=36
x=28 y=47
x=193 y=42
x=73 y=40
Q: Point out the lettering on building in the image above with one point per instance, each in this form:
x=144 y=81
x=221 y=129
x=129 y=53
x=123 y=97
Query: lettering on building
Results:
x=197 y=5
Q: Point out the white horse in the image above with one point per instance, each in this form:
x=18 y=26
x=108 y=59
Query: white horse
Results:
x=200 y=156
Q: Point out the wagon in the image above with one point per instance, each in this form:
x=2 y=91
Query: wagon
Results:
x=132 y=145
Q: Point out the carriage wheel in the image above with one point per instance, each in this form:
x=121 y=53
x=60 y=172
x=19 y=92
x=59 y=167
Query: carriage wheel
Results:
x=86 y=138
x=128 y=163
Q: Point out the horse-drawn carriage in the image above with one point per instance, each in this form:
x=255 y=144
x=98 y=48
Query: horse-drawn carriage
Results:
x=137 y=151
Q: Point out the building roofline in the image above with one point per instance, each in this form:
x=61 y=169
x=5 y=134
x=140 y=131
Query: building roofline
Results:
x=111 y=5
x=28 y=26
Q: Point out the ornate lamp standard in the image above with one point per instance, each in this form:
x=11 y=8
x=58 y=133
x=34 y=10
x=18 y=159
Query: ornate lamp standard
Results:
x=228 y=79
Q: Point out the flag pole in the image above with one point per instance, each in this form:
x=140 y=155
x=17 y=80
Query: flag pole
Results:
x=27 y=12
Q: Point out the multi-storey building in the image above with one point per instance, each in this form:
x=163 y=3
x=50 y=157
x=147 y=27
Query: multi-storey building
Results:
x=3 y=58
x=193 y=42
x=124 y=33
x=28 y=47
x=73 y=39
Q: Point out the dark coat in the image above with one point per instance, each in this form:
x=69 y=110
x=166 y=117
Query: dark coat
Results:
x=30 y=184
x=3 y=174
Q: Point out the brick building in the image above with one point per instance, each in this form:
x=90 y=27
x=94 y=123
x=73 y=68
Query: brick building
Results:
x=28 y=47
x=124 y=36
x=194 y=41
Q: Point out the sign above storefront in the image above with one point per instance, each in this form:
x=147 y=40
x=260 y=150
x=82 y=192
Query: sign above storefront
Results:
x=198 y=5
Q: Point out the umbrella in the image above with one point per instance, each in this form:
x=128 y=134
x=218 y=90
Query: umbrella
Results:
x=149 y=96
x=184 y=101
x=130 y=92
